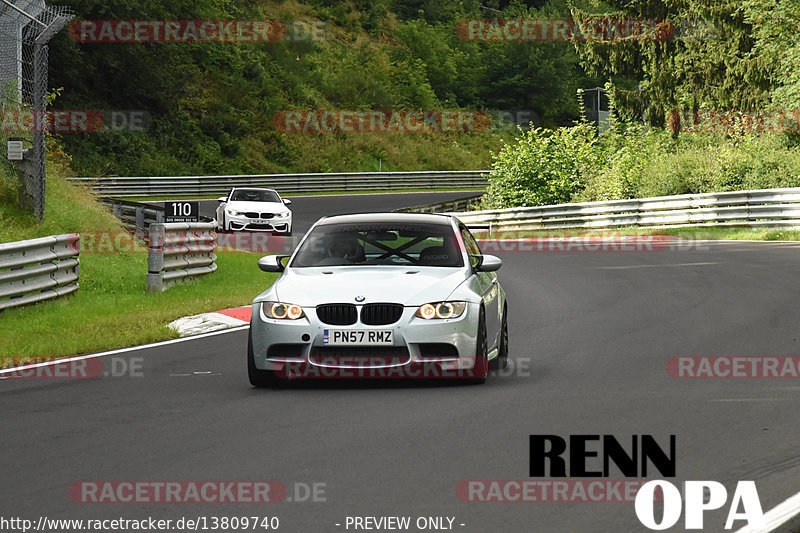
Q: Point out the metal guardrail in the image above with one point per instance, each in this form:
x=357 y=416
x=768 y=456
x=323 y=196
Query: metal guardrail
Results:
x=135 y=216
x=180 y=252
x=284 y=183
x=138 y=216
x=459 y=204
x=38 y=269
x=766 y=207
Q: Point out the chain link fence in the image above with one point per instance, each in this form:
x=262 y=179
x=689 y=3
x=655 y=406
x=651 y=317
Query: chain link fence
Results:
x=26 y=27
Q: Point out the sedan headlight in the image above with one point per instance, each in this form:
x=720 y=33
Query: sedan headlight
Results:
x=281 y=311
x=284 y=214
x=235 y=213
x=441 y=310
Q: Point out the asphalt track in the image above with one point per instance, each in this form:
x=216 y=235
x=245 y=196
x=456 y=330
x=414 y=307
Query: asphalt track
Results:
x=307 y=209
x=590 y=336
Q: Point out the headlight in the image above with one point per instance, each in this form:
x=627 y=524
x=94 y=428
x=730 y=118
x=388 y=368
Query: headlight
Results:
x=441 y=310
x=282 y=311
x=235 y=213
x=284 y=214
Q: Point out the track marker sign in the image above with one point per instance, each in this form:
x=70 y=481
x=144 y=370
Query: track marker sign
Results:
x=181 y=212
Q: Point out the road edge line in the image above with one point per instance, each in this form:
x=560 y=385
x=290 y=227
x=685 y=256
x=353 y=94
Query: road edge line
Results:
x=119 y=350
x=780 y=518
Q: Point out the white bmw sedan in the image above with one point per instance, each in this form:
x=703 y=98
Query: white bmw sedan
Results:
x=254 y=210
x=389 y=295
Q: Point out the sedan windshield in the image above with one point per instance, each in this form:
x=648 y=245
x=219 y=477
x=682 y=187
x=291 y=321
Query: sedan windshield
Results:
x=254 y=195
x=380 y=244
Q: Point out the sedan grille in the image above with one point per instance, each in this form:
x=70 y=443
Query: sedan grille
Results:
x=267 y=215
x=381 y=314
x=251 y=214
x=337 y=314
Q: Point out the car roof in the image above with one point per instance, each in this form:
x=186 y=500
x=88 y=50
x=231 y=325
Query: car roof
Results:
x=390 y=218
x=252 y=189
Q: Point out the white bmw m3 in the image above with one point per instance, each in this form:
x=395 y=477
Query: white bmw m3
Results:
x=389 y=295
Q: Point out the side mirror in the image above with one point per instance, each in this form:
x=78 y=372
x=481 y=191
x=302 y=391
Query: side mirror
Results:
x=488 y=263
x=286 y=201
x=222 y=199
x=272 y=263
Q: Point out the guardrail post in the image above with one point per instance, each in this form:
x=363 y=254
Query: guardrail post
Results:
x=155 y=258
x=180 y=252
x=139 y=217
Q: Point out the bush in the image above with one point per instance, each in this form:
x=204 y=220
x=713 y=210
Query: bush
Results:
x=701 y=162
x=623 y=153
x=543 y=167
x=572 y=164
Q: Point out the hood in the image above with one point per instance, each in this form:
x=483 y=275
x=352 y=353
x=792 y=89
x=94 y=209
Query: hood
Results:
x=259 y=207
x=410 y=286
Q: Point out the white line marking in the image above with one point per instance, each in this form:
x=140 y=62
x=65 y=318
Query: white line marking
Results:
x=121 y=350
x=753 y=400
x=734 y=241
x=778 y=516
x=625 y=267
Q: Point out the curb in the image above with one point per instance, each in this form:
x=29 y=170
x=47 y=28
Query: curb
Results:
x=207 y=322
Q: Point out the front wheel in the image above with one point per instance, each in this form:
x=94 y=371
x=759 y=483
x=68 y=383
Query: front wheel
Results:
x=480 y=369
x=501 y=361
x=259 y=378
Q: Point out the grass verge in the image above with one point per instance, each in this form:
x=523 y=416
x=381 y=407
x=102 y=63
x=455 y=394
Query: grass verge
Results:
x=112 y=310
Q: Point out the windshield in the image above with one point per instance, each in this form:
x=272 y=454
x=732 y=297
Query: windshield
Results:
x=254 y=195
x=380 y=244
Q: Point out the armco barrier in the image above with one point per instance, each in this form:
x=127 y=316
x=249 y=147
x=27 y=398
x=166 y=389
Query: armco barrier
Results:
x=765 y=207
x=180 y=252
x=174 y=186
x=459 y=204
x=135 y=216
x=38 y=269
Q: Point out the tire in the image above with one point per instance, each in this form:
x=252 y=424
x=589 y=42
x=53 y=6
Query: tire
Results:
x=480 y=371
x=260 y=378
x=501 y=361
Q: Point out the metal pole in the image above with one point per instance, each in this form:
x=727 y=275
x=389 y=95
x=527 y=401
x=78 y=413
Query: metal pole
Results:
x=24 y=14
x=39 y=127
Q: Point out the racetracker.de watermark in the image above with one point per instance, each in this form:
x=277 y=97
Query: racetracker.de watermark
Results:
x=176 y=31
x=70 y=368
x=733 y=367
x=382 y=121
x=734 y=121
x=388 y=367
x=530 y=491
x=110 y=242
x=523 y=241
x=564 y=30
x=74 y=120
x=160 y=492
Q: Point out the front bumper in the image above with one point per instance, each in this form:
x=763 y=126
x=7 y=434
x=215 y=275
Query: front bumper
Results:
x=433 y=349
x=275 y=224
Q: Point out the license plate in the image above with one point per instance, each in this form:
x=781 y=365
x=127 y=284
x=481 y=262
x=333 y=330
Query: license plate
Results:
x=361 y=337
x=257 y=221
